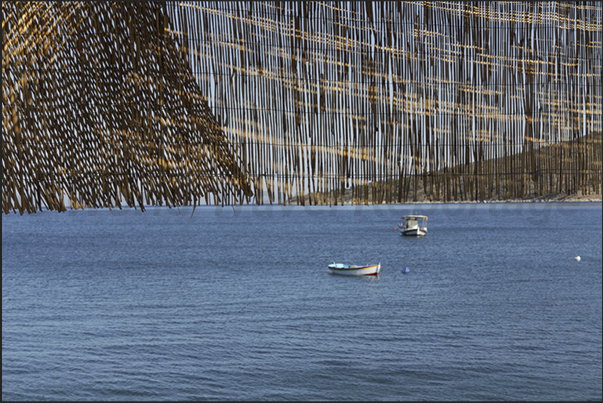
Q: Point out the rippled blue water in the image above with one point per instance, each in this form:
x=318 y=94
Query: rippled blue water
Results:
x=229 y=305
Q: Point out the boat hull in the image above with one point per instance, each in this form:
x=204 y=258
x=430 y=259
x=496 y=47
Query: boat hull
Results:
x=352 y=270
x=415 y=232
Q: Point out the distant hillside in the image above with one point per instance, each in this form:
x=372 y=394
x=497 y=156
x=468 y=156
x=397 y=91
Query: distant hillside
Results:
x=551 y=173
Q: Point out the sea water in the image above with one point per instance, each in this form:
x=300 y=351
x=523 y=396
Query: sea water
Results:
x=238 y=304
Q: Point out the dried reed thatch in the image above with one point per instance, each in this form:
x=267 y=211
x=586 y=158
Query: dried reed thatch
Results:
x=299 y=102
x=100 y=107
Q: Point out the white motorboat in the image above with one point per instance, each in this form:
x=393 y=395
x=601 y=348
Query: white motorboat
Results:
x=413 y=225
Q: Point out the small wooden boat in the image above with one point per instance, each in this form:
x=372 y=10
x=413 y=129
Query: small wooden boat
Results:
x=354 y=270
x=415 y=225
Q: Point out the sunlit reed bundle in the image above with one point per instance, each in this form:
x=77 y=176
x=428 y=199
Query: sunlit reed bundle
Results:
x=99 y=107
x=299 y=102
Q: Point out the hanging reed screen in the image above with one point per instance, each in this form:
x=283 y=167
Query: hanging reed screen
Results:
x=184 y=103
